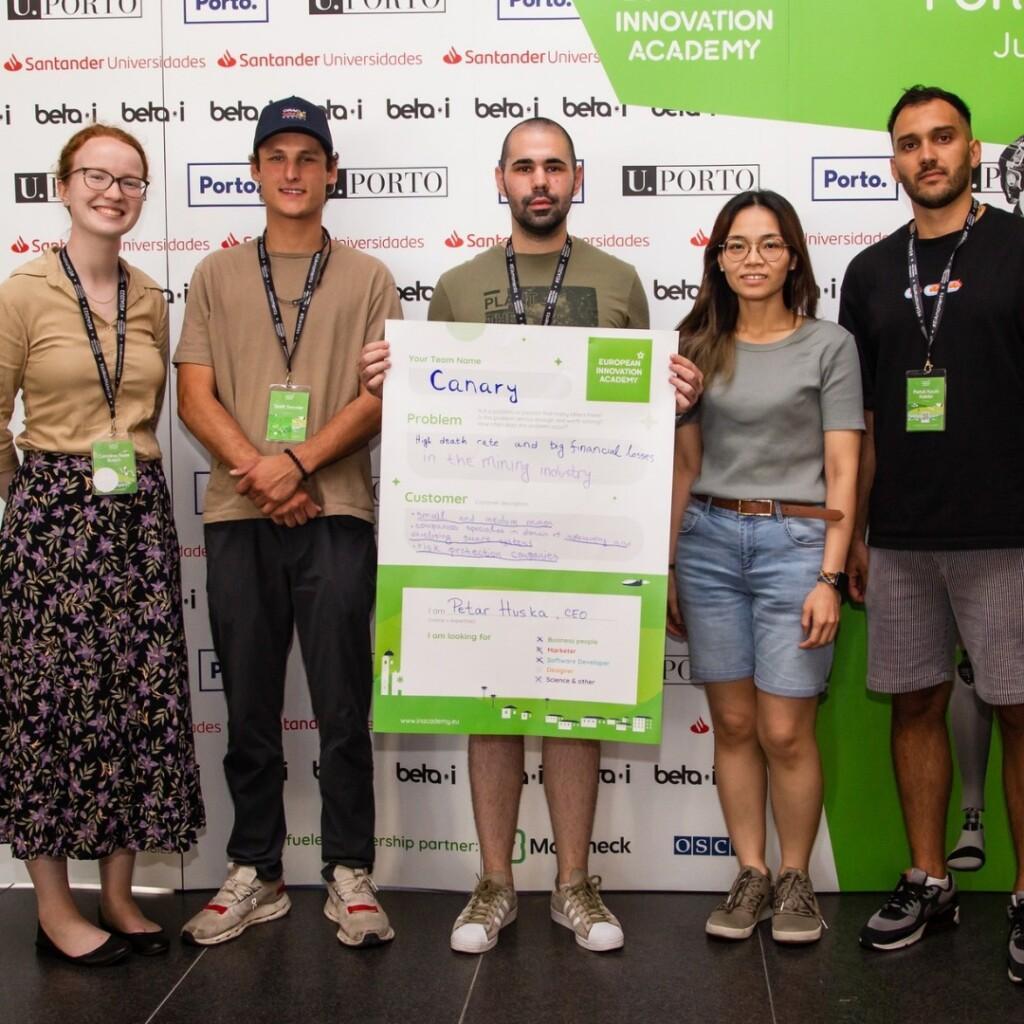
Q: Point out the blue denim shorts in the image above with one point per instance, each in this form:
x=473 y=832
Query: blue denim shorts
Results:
x=742 y=585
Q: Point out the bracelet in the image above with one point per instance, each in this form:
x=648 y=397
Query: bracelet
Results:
x=833 y=579
x=301 y=468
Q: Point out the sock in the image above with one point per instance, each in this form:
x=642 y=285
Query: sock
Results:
x=942 y=883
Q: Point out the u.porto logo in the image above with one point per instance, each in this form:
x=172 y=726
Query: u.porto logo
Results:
x=689 y=179
x=378 y=6
x=70 y=10
x=35 y=187
x=391 y=183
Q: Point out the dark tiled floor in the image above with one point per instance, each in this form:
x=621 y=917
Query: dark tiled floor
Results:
x=294 y=971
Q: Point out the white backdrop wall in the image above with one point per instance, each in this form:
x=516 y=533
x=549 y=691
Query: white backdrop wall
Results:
x=420 y=94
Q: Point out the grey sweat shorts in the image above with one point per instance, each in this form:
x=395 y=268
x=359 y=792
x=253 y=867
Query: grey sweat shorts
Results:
x=918 y=602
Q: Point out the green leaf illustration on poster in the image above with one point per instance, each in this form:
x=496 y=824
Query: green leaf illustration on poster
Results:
x=829 y=62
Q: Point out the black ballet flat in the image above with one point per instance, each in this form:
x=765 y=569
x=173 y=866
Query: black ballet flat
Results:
x=142 y=943
x=111 y=952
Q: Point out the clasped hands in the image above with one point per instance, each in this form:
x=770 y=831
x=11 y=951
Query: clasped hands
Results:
x=273 y=483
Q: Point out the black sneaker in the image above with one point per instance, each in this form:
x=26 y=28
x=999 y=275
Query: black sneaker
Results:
x=909 y=909
x=1015 y=955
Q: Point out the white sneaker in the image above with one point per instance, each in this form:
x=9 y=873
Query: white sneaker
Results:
x=353 y=906
x=491 y=907
x=578 y=906
x=243 y=899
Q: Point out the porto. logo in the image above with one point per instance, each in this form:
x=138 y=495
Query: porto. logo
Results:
x=207 y=12
x=700 y=727
x=13 y=64
x=391 y=183
x=230 y=242
x=454 y=240
x=689 y=180
x=67 y=10
x=20 y=246
x=451 y=57
x=536 y=10
x=852 y=179
x=225 y=60
x=699 y=239
x=226 y=184
x=35 y=187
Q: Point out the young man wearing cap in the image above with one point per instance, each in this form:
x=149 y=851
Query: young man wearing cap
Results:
x=268 y=382
x=938 y=315
x=541 y=275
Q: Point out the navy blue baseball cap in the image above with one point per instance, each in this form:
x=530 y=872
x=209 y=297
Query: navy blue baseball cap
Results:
x=293 y=115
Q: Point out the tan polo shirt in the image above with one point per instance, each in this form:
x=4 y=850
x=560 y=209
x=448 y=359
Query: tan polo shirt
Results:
x=227 y=326
x=45 y=354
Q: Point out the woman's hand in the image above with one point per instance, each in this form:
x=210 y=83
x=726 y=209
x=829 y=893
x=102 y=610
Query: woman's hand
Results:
x=820 y=618
x=674 y=622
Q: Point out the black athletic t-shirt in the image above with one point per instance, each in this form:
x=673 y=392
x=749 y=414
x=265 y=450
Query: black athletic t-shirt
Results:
x=964 y=487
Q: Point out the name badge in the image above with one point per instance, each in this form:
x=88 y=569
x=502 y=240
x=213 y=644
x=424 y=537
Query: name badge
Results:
x=926 y=401
x=113 y=466
x=287 y=413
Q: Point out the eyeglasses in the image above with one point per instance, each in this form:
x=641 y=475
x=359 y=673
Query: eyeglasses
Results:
x=771 y=250
x=99 y=181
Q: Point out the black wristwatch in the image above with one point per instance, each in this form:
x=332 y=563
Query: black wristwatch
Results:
x=836 y=580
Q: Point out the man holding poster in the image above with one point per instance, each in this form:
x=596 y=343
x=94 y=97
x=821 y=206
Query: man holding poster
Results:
x=540 y=276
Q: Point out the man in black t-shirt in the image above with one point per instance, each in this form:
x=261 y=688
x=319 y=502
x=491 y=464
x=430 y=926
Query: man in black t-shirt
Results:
x=938 y=313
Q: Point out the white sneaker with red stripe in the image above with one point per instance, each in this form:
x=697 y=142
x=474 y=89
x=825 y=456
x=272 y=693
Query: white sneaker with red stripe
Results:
x=353 y=906
x=243 y=899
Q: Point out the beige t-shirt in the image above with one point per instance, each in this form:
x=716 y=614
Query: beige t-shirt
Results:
x=45 y=354
x=228 y=326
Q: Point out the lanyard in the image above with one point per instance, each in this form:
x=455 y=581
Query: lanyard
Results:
x=110 y=389
x=317 y=266
x=916 y=294
x=516 y=294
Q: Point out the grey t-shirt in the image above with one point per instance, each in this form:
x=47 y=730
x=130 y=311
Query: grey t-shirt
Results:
x=763 y=430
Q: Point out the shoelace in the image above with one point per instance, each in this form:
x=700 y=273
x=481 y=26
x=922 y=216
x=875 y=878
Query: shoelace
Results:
x=587 y=898
x=482 y=903
x=796 y=890
x=356 y=885
x=743 y=893
x=904 y=896
x=240 y=891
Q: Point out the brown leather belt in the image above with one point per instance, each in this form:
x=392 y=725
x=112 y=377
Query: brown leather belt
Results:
x=767 y=507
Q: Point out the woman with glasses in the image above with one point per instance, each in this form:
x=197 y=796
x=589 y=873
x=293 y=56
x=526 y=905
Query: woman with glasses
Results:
x=762 y=515
x=96 y=750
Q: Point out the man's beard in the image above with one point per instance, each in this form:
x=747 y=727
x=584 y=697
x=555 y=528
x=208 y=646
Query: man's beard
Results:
x=959 y=181
x=541 y=225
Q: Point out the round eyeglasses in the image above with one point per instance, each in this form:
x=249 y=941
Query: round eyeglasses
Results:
x=771 y=250
x=99 y=181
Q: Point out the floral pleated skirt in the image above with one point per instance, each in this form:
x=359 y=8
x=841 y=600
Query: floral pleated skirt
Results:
x=96 y=748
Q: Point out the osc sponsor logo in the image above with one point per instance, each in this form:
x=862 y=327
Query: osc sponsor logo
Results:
x=684 y=776
x=537 y=10
x=68 y=10
x=238 y=110
x=702 y=846
x=840 y=179
x=591 y=106
x=131 y=113
x=22 y=245
x=423 y=774
x=227 y=184
x=418 y=110
x=418 y=292
x=211 y=12
x=503 y=107
x=65 y=114
x=689 y=179
x=681 y=291
x=302 y=59
x=527 y=846
x=110 y=63
x=986 y=178
x=452 y=56
x=377 y=6
x=210 y=678
x=35 y=187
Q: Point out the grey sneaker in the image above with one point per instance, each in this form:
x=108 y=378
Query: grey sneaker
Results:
x=908 y=910
x=491 y=907
x=353 y=906
x=579 y=907
x=796 y=916
x=1015 y=956
x=749 y=901
x=243 y=899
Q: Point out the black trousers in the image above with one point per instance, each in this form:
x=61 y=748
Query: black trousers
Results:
x=262 y=581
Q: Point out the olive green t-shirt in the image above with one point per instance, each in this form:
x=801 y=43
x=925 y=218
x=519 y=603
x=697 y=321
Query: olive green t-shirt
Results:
x=227 y=326
x=599 y=290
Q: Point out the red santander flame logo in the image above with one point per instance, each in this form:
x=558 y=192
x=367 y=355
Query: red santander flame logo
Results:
x=20 y=246
x=454 y=240
x=13 y=64
x=699 y=239
x=452 y=56
x=226 y=60
x=230 y=242
x=700 y=727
